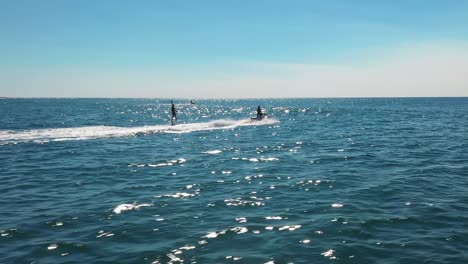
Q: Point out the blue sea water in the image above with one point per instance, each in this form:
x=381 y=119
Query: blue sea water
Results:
x=321 y=181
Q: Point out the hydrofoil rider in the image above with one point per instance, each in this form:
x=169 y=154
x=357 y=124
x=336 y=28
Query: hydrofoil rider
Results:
x=174 y=113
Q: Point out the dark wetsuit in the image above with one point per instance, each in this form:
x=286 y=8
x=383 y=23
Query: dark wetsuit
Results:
x=259 y=113
x=174 y=114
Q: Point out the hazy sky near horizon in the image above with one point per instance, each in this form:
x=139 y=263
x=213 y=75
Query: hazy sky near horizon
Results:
x=233 y=49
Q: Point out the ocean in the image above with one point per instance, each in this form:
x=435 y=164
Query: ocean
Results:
x=371 y=180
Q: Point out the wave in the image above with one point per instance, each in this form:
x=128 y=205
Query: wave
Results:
x=99 y=132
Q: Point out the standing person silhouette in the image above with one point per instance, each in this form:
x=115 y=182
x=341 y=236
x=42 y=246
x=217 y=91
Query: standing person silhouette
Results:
x=259 y=113
x=174 y=113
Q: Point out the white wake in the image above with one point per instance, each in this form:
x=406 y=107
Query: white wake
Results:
x=98 y=132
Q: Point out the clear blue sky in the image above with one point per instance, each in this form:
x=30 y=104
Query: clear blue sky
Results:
x=42 y=42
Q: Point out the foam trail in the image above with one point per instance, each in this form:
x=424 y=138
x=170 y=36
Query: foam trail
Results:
x=97 y=132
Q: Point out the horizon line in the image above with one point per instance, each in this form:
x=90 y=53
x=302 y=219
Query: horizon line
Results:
x=242 y=98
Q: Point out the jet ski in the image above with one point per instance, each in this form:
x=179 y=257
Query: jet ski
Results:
x=263 y=116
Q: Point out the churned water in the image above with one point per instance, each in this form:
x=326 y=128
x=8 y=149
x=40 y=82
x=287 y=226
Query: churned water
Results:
x=321 y=181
